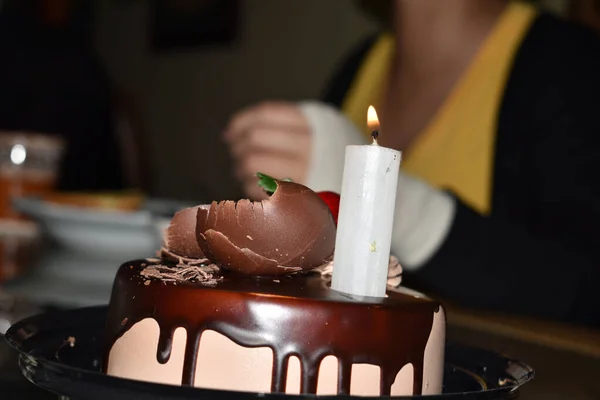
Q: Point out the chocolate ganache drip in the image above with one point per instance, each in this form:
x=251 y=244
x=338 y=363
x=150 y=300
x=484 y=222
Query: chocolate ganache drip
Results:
x=298 y=316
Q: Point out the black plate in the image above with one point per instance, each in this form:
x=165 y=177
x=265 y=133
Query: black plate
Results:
x=47 y=359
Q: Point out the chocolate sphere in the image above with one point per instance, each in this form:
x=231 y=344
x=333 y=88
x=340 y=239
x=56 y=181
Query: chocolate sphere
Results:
x=291 y=231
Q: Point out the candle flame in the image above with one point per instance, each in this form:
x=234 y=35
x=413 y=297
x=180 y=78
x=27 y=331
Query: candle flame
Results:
x=373 y=123
x=372 y=120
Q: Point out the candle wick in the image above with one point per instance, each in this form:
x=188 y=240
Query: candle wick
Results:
x=375 y=136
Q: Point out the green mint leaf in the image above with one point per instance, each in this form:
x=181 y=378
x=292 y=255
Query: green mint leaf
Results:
x=267 y=183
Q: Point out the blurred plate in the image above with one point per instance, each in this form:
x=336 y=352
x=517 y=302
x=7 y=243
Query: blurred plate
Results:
x=87 y=244
x=103 y=233
x=47 y=360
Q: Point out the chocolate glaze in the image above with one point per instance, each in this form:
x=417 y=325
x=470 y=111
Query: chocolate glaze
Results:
x=312 y=321
x=291 y=231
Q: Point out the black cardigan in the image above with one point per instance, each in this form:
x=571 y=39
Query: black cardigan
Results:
x=537 y=253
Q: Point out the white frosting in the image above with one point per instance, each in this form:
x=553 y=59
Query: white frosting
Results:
x=394 y=272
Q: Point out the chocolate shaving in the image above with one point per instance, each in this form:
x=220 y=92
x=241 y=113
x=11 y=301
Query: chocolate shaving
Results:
x=180 y=260
x=69 y=342
x=204 y=274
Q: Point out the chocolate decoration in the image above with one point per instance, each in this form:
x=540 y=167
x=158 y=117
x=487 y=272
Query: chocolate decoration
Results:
x=317 y=322
x=291 y=231
x=180 y=236
x=168 y=255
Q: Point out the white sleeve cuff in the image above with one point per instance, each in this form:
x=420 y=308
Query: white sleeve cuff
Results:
x=423 y=218
x=331 y=133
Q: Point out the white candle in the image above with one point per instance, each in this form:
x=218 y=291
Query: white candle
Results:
x=366 y=215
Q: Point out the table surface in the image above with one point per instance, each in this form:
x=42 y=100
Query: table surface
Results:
x=566 y=359
x=574 y=339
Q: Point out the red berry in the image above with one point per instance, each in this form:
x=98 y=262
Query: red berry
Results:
x=333 y=202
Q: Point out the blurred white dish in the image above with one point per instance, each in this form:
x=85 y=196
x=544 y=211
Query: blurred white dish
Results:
x=101 y=233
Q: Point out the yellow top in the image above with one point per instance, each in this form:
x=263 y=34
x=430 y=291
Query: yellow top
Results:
x=456 y=149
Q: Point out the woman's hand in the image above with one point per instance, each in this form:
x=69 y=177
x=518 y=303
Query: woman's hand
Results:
x=273 y=138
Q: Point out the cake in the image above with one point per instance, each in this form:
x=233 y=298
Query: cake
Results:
x=239 y=299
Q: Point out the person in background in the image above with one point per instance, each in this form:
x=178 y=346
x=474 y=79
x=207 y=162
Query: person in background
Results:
x=52 y=82
x=586 y=12
x=495 y=106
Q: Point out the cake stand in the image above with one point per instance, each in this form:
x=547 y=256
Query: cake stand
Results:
x=61 y=352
